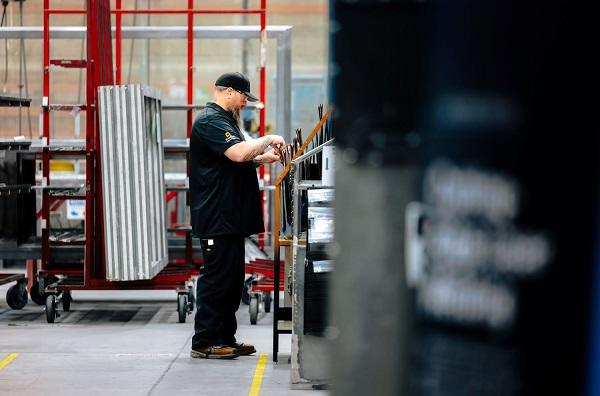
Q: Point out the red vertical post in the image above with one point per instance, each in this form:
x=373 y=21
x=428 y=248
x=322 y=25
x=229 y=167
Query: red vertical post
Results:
x=46 y=114
x=46 y=133
x=118 y=43
x=263 y=99
x=190 y=65
x=90 y=141
x=190 y=101
x=174 y=212
x=103 y=75
x=263 y=60
x=46 y=95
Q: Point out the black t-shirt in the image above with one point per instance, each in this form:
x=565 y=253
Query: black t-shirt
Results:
x=224 y=195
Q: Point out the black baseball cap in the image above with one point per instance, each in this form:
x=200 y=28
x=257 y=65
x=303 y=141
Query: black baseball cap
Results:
x=238 y=82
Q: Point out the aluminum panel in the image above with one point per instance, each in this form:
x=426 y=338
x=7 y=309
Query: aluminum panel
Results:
x=135 y=227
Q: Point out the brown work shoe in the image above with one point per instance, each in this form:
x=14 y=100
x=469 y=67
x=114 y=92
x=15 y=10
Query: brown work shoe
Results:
x=214 y=352
x=243 y=349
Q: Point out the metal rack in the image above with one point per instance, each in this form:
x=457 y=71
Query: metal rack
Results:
x=16 y=198
x=58 y=274
x=16 y=295
x=9 y=101
x=282 y=316
x=309 y=352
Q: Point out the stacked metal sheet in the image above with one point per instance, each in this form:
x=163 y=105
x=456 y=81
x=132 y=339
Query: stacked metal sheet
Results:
x=17 y=200
x=133 y=187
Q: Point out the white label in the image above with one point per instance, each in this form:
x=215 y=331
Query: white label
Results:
x=76 y=209
x=328 y=166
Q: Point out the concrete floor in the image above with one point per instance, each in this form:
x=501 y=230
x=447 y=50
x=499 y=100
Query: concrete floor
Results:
x=129 y=343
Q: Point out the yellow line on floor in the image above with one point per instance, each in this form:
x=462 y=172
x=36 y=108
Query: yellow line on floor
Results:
x=9 y=359
x=258 y=375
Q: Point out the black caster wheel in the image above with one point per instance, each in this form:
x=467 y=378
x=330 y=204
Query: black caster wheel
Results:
x=66 y=300
x=253 y=309
x=267 y=301
x=182 y=307
x=16 y=296
x=51 y=308
x=38 y=297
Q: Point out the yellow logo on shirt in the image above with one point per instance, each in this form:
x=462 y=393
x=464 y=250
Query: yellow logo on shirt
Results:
x=229 y=137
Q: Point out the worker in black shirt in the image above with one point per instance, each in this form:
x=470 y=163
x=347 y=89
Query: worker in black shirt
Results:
x=225 y=208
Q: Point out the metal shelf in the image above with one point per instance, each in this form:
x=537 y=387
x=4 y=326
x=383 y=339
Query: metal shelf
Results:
x=9 y=101
x=33 y=250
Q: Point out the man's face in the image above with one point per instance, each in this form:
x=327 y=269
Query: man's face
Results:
x=239 y=100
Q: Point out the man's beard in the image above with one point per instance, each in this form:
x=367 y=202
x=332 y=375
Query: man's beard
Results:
x=236 y=116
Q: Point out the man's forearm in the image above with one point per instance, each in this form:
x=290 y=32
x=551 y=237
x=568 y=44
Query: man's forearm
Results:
x=257 y=147
x=249 y=150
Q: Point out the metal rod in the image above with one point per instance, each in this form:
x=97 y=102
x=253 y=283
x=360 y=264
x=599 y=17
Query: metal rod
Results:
x=147 y=46
x=184 y=12
x=312 y=152
x=245 y=42
x=263 y=99
x=81 y=57
x=190 y=100
x=276 y=265
x=132 y=47
x=118 y=29
x=65 y=11
x=162 y=32
x=198 y=107
x=188 y=11
x=21 y=55
x=46 y=134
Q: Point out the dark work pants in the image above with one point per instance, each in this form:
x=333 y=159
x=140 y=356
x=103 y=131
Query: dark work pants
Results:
x=218 y=291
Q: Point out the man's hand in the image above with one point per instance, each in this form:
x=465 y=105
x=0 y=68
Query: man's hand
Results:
x=267 y=158
x=276 y=141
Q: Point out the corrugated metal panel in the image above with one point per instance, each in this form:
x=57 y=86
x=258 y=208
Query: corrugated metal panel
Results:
x=133 y=186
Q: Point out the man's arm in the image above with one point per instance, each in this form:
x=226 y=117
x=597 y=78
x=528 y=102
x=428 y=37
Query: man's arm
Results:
x=247 y=151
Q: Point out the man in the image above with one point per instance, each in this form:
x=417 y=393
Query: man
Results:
x=225 y=208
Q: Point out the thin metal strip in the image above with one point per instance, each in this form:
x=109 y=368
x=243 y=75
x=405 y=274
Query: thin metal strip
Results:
x=150 y=187
x=130 y=197
x=104 y=153
x=128 y=130
x=137 y=165
x=157 y=190
x=105 y=146
x=161 y=185
x=160 y=193
x=121 y=113
x=159 y=197
x=144 y=183
x=113 y=207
